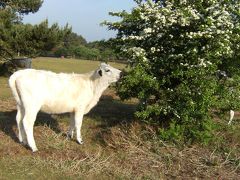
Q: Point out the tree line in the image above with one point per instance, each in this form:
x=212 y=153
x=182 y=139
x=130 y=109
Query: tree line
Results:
x=75 y=46
x=18 y=39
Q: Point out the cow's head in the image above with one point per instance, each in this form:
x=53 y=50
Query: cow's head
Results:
x=109 y=73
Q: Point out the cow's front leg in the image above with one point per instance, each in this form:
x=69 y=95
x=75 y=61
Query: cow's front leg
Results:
x=71 y=127
x=78 y=124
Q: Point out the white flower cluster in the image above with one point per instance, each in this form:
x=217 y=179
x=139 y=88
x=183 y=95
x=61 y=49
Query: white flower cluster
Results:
x=138 y=53
x=157 y=23
x=202 y=63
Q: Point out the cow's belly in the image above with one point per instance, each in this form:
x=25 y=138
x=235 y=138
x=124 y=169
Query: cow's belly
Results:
x=57 y=108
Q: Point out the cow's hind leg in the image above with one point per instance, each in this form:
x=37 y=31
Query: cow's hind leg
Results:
x=19 y=119
x=28 y=123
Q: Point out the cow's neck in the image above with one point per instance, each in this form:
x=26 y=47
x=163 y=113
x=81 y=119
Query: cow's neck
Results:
x=98 y=87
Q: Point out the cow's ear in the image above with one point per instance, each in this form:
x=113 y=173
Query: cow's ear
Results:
x=100 y=72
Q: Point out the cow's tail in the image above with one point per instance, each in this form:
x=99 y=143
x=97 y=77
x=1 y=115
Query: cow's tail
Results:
x=13 y=86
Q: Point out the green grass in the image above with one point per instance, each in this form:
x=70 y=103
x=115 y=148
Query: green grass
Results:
x=68 y=65
x=4 y=89
x=115 y=146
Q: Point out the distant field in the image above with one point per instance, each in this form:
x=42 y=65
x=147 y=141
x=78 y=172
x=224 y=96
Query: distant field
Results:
x=68 y=65
x=115 y=145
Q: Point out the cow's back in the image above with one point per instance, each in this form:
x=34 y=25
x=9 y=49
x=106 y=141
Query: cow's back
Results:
x=51 y=92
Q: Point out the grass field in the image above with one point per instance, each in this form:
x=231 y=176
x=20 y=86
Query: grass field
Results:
x=115 y=146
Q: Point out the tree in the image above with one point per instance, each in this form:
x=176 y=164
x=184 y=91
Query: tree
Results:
x=73 y=39
x=86 y=53
x=69 y=42
x=105 y=48
x=10 y=14
x=45 y=38
x=21 y=6
x=174 y=50
x=27 y=40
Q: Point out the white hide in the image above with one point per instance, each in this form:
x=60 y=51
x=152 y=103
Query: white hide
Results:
x=36 y=90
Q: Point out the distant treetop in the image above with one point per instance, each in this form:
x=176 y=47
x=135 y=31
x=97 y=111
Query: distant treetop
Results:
x=22 y=6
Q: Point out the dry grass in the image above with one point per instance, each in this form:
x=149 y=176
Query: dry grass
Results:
x=116 y=147
x=144 y=152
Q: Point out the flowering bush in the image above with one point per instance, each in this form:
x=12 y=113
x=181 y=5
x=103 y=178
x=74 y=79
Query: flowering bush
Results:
x=174 y=50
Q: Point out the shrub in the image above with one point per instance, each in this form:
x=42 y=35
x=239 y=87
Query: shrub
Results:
x=86 y=53
x=174 y=50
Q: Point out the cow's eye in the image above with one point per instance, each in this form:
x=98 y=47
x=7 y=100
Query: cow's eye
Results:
x=107 y=70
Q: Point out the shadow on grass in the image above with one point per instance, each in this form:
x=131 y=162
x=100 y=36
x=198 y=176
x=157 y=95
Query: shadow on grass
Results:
x=111 y=112
x=7 y=124
x=9 y=127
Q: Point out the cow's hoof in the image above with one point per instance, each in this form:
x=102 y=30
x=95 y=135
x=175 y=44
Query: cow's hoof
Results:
x=34 y=150
x=23 y=143
x=80 y=142
x=70 y=135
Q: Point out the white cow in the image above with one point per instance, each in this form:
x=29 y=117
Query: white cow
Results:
x=36 y=90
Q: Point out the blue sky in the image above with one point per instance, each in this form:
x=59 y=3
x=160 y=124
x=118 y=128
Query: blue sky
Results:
x=84 y=16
